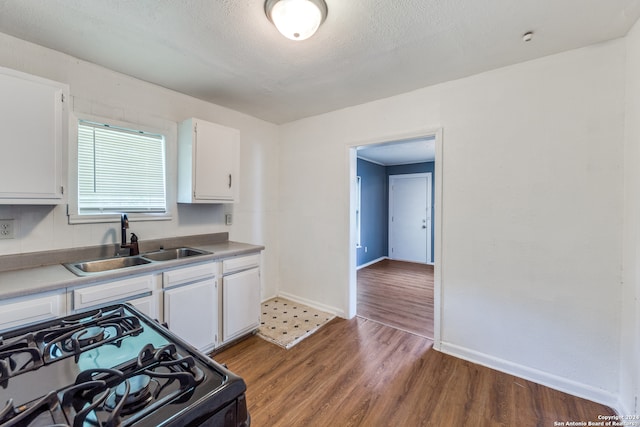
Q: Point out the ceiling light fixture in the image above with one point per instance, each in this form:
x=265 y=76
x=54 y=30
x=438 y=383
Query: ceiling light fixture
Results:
x=296 y=19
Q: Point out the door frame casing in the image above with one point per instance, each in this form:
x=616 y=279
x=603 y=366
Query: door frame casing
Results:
x=429 y=178
x=438 y=283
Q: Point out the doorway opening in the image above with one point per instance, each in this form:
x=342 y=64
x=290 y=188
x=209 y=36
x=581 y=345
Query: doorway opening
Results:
x=395 y=232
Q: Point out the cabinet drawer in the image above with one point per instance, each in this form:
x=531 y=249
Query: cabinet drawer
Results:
x=188 y=274
x=240 y=263
x=111 y=292
x=31 y=310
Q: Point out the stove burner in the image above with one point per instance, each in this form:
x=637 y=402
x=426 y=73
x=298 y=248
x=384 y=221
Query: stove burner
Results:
x=72 y=337
x=132 y=395
x=139 y=388
x=89 y=336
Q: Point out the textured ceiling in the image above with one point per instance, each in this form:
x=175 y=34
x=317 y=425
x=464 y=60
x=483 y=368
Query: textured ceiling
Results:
x=228 y=53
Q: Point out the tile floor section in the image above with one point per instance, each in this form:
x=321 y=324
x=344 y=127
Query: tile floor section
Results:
x=286 y=323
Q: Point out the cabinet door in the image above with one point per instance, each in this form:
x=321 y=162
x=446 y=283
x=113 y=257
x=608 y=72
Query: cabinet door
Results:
x=216 y=162
x=32 y=119
x=146 y=305
x=241 y=303
x=29 y=310
x=191 y=313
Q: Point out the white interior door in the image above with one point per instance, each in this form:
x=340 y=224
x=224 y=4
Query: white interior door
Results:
x=410 y=217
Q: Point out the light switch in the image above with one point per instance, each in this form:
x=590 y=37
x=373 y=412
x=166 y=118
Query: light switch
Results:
x=228 y=219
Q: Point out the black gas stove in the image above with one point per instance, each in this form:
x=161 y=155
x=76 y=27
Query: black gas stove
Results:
x=112 y=367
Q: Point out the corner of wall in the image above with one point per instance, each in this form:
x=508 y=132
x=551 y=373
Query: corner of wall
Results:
x=629 y=381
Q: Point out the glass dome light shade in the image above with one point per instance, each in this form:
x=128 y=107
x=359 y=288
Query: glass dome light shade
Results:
x=296 y=19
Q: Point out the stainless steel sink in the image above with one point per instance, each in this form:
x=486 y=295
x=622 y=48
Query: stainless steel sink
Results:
x=175 y=253
x=87 y=268
x=101 y=265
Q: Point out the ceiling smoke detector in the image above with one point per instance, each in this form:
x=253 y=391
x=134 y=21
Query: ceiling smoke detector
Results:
x=296 y=19
x=528 y=36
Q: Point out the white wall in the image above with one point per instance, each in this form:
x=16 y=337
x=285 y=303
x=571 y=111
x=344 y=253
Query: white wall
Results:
x=532 y=207
x=630 y=313
x=112 y=95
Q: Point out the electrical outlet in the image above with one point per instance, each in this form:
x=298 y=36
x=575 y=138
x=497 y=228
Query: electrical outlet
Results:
x=228 y=219
x=6 y=229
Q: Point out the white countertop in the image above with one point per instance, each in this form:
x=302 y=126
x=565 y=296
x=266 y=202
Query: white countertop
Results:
x=29 y=281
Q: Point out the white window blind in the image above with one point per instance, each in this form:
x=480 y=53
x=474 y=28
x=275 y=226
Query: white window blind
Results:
x=119 y=170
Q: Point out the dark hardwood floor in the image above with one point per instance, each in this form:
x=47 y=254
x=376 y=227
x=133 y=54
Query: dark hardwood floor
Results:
x=362 y=373
x=398 y=294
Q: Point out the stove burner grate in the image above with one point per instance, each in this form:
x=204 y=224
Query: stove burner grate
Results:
x=45 y=412
x=73 y=337
x=114 y=379
x=111 y=398
x=18 y=356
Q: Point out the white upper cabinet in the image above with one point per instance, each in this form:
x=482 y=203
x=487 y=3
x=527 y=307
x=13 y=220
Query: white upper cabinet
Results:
x=208 y=162
x=33 y=128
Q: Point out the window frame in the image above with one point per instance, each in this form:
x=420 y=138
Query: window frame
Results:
x=167 y=129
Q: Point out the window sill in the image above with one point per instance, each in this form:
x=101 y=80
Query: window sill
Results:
x=109 y=218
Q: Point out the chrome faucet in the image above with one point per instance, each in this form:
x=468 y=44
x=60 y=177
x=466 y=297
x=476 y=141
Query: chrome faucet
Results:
x=133 y=246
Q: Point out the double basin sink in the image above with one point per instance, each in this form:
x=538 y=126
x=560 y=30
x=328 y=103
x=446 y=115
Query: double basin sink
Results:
x=87 y=268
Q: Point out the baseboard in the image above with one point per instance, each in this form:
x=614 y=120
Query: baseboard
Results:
x=313 y=304
x=268 y=298
x=540 y=377
x=382 y=258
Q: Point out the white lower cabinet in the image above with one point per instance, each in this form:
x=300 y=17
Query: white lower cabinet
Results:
x=191 y=304
x=190 y=313
x=240 y=296
x=241 y=303
x=23 y=311
x=187 y=299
